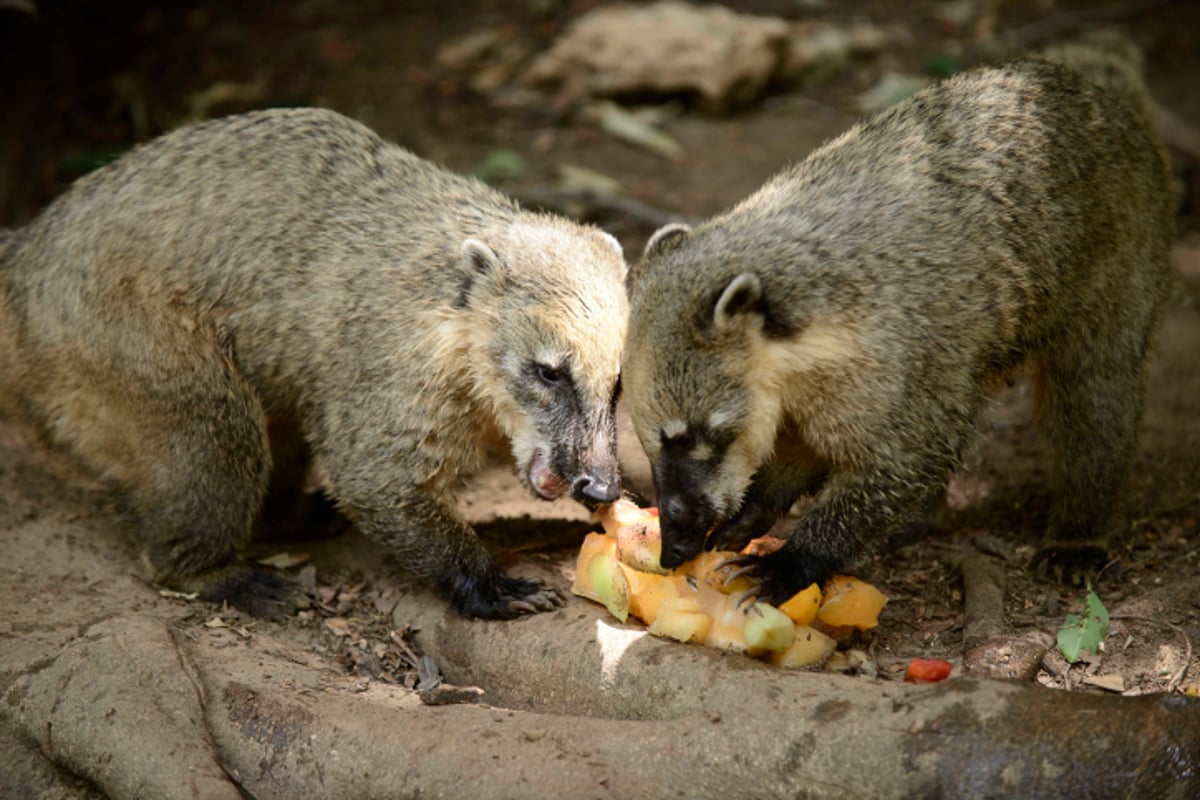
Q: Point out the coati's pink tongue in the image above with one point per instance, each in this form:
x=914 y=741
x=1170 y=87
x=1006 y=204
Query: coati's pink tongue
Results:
x=543 y=481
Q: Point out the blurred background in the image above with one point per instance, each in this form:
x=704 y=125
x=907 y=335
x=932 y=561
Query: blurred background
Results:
x=628 y=115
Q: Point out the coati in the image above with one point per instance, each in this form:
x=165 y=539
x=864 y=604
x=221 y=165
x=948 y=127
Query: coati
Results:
x=292 y=265
x=837 y=332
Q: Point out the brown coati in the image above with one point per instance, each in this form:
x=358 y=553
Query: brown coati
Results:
x=291 y=265
x=838 y=332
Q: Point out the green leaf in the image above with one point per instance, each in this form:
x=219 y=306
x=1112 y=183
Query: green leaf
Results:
x=1083 y=633
x=500 y=165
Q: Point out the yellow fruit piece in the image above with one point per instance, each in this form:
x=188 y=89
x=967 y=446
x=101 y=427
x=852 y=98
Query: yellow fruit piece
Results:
x=646 y=592
x=808 y=647
x=850 y=602
x=803 y=605
x=681 y=618
x=768 y=628
x=593 y=544
x=608 y=579
x=623 y=513
x=706 y=567
x=728 y=631
x=640 y=546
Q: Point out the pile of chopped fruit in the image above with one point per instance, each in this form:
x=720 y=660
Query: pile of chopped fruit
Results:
x=698 y=602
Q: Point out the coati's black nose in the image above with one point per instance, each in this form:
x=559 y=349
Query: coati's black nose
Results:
x=589 y=489
x=679 y=525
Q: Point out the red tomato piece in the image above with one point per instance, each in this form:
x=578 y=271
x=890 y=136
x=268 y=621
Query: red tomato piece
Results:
x=927 y=670
x=652 y=511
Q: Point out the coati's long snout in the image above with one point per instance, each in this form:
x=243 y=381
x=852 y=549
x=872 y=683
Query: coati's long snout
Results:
x=593 y=466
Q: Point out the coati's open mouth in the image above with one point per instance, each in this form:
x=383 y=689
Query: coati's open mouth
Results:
x=547 y=485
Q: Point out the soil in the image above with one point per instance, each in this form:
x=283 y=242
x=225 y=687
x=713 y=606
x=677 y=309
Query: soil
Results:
x=91 y=80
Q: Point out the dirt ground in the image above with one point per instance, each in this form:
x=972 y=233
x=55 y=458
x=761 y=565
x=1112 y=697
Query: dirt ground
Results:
x=91 y=79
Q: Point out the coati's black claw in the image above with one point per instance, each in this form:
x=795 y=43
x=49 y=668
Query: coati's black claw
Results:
x=496 y=595
x=1070 y=565
x=259 y=592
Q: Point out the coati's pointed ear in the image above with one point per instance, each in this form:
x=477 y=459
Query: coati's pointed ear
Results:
x=481 y=263
x=661 y=241
x=739 y=302
x=481 y=258
x=615 y=245
x=664 y=238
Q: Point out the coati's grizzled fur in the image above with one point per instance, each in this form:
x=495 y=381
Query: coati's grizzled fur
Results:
x=838 y=331
x=291 y=265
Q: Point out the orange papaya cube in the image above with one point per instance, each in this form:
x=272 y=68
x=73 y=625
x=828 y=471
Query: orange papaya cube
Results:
x=850 y=602
x=646 y=592
x=802 y=607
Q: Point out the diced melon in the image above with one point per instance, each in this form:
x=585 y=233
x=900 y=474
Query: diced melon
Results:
x=707 y=567
x=612 y=589
x=593 y=544
x=681 y=618
x=850 y=602
x=640 y=546
x=728 y=631
x=803 y=605
x=623 y=513
x=768 y=628
x=808 y=647
x=646 y=591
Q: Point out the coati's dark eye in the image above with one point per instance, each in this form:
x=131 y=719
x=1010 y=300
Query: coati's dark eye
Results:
x=549 y=375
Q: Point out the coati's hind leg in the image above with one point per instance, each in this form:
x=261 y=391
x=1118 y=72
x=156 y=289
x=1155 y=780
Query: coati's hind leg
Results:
x=292 y=510
x=179 y=431
x=1090 y=408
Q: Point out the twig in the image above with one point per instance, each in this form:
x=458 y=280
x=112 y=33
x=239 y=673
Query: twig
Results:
x=1187 y=658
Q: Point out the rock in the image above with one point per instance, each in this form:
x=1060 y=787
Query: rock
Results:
x=721 y=58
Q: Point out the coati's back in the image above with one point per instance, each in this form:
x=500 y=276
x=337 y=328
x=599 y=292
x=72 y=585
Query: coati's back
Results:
x=256 y=221
x=235 y=191
x=1025 y=162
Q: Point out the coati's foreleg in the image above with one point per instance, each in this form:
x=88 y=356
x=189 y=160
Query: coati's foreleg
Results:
x=852 y=508
x=1090 y=409
x=431 y=541
x=776 y=486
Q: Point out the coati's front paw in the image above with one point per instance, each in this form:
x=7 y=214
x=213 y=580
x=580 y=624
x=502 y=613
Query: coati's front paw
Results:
x=779 y=575
x=496 y=595
x=1074 y=565
x=259 y=592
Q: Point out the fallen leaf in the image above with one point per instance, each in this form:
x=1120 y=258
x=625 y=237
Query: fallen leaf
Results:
x=338 y=626
x=1112 y=683
x=284 y=560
